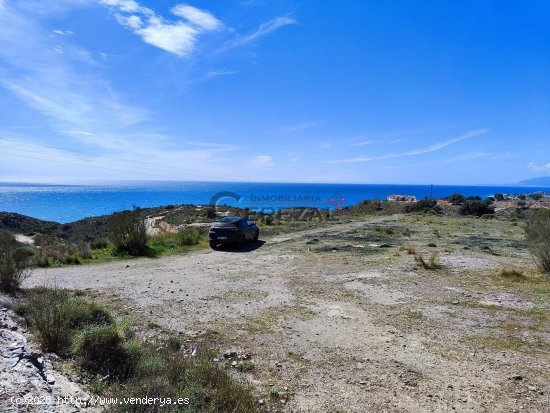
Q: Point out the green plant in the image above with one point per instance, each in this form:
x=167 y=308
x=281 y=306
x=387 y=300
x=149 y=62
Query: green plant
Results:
x=14 y=263
x=424 y=205
x=431 y=264
x=477 y=208
x=103 y=349
x=537 y=234
x=188 y=236
x=128 y=233
x=174 y=375
x=511 y=273
x=456 y=199
x=99 y=243
x=55 y=317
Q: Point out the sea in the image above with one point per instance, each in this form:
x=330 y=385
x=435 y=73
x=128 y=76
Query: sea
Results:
x=67 y=203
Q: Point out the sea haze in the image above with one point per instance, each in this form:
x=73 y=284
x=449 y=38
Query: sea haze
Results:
x=66 y=203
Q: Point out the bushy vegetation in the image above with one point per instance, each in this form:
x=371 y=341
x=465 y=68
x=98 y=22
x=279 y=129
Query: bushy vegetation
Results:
x=123 y=366
x=99 y=243
x=431 y=264
x=537 y=234
x=456 y=199
x=188 y=236
x=56 y=317
x=477 y=208
x=56 y=251
x=14 y=263
x=424 y=205
x=106 y=350
x=128 y=233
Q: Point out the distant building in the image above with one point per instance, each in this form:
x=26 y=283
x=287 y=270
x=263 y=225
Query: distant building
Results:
x=401 y=198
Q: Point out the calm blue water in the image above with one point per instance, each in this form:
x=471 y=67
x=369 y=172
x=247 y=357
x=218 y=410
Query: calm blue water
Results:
x=70 y=203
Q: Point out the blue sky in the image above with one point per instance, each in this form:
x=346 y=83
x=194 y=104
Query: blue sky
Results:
x=385 y=91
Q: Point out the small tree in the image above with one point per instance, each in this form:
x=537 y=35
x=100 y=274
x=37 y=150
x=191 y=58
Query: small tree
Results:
x=499 y=197
x=477 y=208
x=537 y=234
x=128 y=233
x=456 y=199
x=14 y=263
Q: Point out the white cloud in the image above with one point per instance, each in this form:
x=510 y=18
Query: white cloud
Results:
x=268 y=27
x=420 y=151
x=215 y=73
x=63 y=32
x=536 y=167
x=197 y=17
x=178 y=37
x=262 y=161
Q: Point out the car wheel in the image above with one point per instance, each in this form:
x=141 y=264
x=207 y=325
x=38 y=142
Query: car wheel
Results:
x=213 y=245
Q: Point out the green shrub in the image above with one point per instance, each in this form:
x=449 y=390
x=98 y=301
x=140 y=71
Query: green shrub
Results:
x=14 y=263
x=175 y=375
x=188 y=236
x=268 y=220
x=424 y=205
x=103 y=349
x=456 y=199
x=99 y=243
x=537 y=234
x=55 y=316
x=128 y=233
x=477 y=208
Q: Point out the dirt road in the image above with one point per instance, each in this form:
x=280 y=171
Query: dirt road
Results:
x=339 y=319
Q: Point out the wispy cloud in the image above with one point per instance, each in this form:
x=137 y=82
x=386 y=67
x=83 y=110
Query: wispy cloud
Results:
x=263 y=30
x=299 y=127
x=179 y=37
x=268 y=27
x=197 y=17
x=262 y=161
x=216 y=73
x=537 y=167
x=415 y=152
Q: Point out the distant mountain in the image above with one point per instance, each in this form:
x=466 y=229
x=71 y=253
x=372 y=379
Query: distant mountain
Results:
x=542 y=181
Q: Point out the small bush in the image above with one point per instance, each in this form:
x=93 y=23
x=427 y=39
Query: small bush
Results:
x=537 y=234
x=103 y=349
x=188 y=236
x=99 y=243
x=210 y=213
x=477 y=208
x=513 y=273
x=456 y=199
x=411 y=249
x=174 y=375
x=14 y=263
x=127 y=232
x=424 y=205
x=268 y=220
x=55 y=316
x=431 y=264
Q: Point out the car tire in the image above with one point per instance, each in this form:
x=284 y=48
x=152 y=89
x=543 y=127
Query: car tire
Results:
x=213 y=245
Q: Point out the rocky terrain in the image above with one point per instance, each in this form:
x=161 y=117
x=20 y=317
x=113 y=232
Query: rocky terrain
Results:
x=28 y=380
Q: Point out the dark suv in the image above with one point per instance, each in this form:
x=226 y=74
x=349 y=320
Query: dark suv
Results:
x=232 y=230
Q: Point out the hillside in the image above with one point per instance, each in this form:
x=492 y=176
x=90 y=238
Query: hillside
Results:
x=541 y=181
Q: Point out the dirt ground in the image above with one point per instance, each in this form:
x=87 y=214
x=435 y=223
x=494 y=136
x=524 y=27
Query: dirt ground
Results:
x=341 y=319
